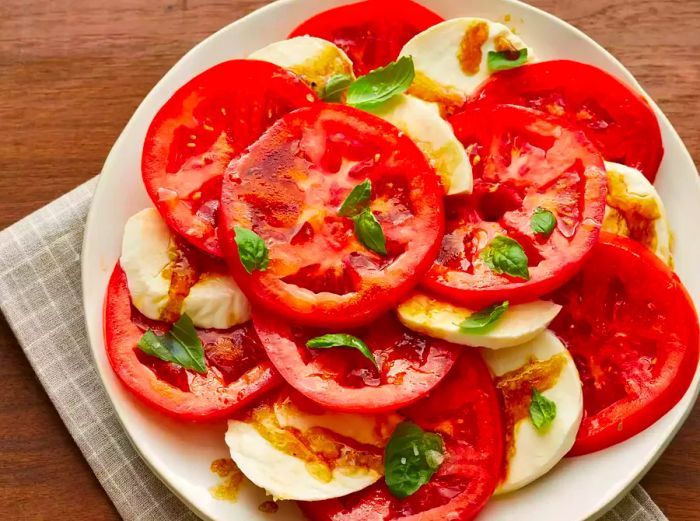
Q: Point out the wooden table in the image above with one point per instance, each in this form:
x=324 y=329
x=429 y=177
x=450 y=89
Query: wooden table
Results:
x=71 y=74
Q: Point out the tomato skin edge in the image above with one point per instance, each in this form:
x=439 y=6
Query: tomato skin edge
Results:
x=160 y=137
x=134 y=376
x=277 y=339
x=660 y=404
x=546 y=75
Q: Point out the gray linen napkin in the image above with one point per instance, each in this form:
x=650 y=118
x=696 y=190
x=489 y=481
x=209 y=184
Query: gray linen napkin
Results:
x=40 y=296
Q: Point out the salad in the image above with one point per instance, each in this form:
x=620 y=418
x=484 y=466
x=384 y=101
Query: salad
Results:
x=410 y=266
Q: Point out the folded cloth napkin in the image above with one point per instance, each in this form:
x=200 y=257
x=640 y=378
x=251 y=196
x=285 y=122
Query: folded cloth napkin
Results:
x=40 y=296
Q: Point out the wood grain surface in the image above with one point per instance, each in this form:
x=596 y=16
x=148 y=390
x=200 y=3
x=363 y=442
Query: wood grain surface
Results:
x=71 y=74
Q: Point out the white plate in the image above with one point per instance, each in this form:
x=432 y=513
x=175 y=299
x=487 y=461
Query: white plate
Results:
x=579 y=488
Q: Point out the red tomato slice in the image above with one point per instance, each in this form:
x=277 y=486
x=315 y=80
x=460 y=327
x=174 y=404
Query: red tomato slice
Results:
x=633 y=332
x=343 y=379
x=618 y=120
x=466 y=411
x=372 y=33
x=238 y=370
x=523 y=160
x=289 y=187
x=208 y=122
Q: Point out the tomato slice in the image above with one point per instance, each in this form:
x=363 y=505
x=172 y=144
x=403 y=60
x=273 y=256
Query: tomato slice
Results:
x=633 y=332
x=523 y=160
x=372 y=33
x=410 y=364
x=289 y=187
x=466 y=411
x=238 y=369
x=202 y=127
x=618 y=120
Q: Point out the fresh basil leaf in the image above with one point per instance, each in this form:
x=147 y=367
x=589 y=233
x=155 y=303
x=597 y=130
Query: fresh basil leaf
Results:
x=503 y=60
x=542 y=410
x=251 y=250
x=411 y=458
x=357 y=201
x=342 y=340
x=369 y=232
x=381 y=84
x=335 y=86
x=482 y=321
x=505 y=255
x=543 y=222
x=181 y=345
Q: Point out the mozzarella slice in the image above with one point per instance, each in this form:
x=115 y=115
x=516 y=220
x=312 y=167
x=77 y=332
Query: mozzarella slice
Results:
x=451 y=58
x=312 y=59
x=421 y=121
x=544 y=364
x=634 y=209
x=149 y=256
x=309 y=454
x=439 y=319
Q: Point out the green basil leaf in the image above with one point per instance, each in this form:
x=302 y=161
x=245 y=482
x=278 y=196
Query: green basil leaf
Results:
x=369 y=232
x=411 y=458
x=181 y=345
x=542 y=410
x=505 y=255
x=543 y=222
x=251 y=250
x=503 y=60
x=381 y=84
x=342 y=340
x=335 y=86
x=482 y=321
x=357 y=201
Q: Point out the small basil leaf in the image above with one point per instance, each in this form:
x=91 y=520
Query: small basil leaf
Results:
x=381 y=84
x=503 y=60
x=251 y=250
x=369 y=232
x=543 y=222
x=181 y=345
x=335 y=86
x=505 y=255
x=342 y=340
x=357 y=201
x=542 y=410
x=411 y=458
x=482 y=321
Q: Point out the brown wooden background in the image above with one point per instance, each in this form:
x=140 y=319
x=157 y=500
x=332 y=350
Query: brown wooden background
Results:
x=71 y=74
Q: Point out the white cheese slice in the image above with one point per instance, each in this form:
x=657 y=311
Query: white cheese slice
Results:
x=534 y=453
x=294 y=454
x=148 y=248
x=421 y=121
x=313 y=59
x=634 y=209
x=439 y=319
x=451 y=58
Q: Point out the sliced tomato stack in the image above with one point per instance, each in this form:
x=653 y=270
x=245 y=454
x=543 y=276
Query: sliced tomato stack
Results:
x=372 y=33
x=465 y=410
x=203 y=126
x=523 y=160
x=288 y=189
